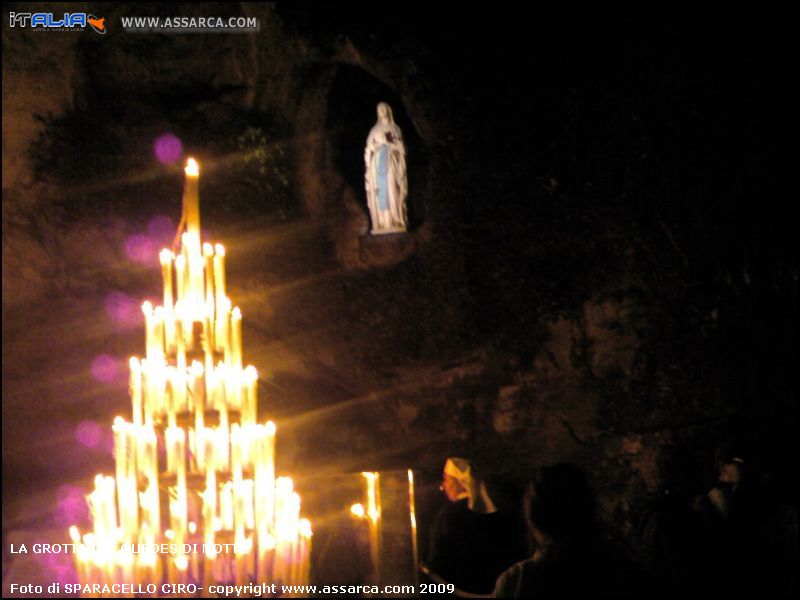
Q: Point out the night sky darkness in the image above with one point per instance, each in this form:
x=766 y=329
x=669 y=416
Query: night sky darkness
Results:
x=637 y=158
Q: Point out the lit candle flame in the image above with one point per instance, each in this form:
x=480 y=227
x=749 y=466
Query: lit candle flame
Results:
x=305 y=528
x=192 y=168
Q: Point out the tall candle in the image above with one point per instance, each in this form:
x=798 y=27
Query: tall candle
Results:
x=180 y=276
x=198 y=405
x=223 y=439
x=175 y=393
x=266 y=554
x=283 y=488
x=208 y=335
x=187 y=276
x=264 y=491
x=250 y=396
x=269 y=465
x=194 y=262
x=209 y=513
x=305 y=554
x=171 y=435
x=208 y=260
x=147 y=458
x=121 y=460
x=243 y=543
x=180 y=341
x=169 y=331
x=226 y=505
x=166 y=258
x=81 y=554
x=191 y=197
x=373 y=515
x=158 y=331
x=178 y=504
x=219 y=273
x=236 y=338
x=236 y=453
x=222 y=338
x=293 y=517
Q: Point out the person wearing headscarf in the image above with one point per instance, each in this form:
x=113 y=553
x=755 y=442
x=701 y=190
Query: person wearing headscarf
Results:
x=472 y=542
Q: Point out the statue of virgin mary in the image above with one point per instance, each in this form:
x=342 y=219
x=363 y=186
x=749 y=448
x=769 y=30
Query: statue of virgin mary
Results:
x=385 y=175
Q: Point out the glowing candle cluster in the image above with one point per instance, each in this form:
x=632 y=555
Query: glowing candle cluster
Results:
x=211 y=509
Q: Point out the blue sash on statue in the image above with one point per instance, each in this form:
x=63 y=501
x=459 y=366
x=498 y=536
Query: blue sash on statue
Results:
x=382 y=175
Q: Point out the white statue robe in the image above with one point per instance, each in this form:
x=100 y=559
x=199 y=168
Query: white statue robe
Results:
x=385 y=178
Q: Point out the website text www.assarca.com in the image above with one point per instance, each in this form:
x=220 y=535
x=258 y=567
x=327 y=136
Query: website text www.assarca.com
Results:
x=190 y=24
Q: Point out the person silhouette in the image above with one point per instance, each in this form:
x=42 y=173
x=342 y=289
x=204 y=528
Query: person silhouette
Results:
x=569 y=559
x=472 y=541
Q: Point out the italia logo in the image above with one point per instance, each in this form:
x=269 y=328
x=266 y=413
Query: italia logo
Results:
x=47 y=22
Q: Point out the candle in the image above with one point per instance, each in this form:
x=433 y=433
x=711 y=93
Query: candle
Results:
x=81 y=555
x=171 y=434
x=187 y=279
x=147 y=458
x=233 y=388
x=293 y=518
x=208 y=260
x=174 y=394
x=236 y=338
x=264 y=493
x=209 y=513
x=191 y=197
x=266 y=555
x=127 y=495
x=219 y=274
x=373 y=516
x=121 y=460
x=226 y=505
x=158 y=331
x=223 y=439
x=221 y=317
x=236 y=454
x=243 y=554
x=250 y=403
x=269 y=466
x=166 y=258
x=169 y=331
x=176 y=439
x=180 y=276
x=198 y=404
x=194 y=262
x=180 y=341
x=305 y=551
x=208 y=347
